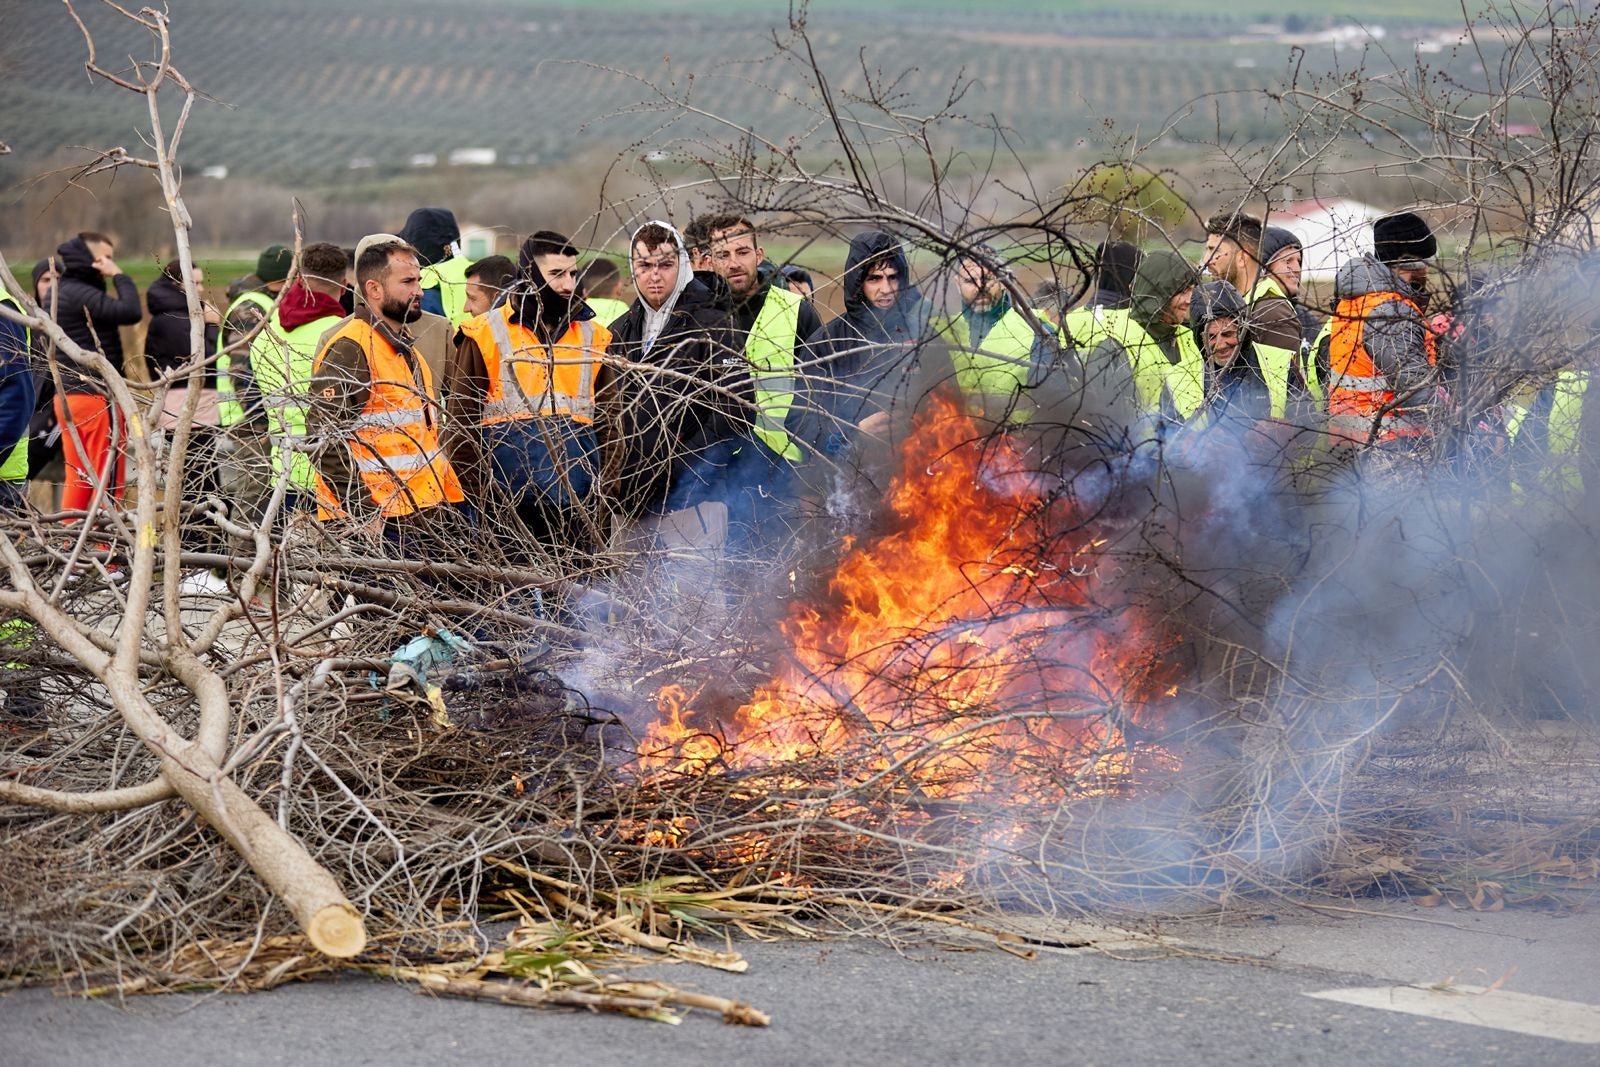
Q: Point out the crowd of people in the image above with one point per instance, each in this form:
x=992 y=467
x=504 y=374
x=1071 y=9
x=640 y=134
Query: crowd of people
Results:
x=403 y=389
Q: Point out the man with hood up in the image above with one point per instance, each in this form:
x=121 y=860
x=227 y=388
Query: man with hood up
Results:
x=682 y=387
x=1381 y=354
x=90 y=316
x=433 y=232
x=1243 y=380
x=1151 y=342
x=1115 y=264
x=520 y=391
x=863 y=358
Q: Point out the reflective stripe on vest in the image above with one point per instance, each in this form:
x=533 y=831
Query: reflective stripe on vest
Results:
x=394 y=441
x=282 y=365
x=229 y=410
x=1358 y=392
x=528 y=378
x=450 y=278
x=770 y=351
x=1183 y=382
x=15 y=467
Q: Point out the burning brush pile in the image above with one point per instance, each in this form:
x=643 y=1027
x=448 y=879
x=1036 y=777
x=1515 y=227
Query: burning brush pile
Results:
x=960 y=676
x=1032 y=681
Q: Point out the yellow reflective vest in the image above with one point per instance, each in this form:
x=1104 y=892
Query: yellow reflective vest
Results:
x=770 y=352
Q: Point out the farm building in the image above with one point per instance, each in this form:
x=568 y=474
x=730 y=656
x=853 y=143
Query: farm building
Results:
x=1330 y=231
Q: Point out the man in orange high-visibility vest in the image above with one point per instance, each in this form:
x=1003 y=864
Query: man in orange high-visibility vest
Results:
x=1381 y=353
x=373 y=402
x=520 y=387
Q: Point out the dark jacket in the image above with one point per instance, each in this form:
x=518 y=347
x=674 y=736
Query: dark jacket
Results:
x=1395 y=335
x=166 y=343
x=861 y=362
x=661 y=410
x=88 y=314
x=1239 y=390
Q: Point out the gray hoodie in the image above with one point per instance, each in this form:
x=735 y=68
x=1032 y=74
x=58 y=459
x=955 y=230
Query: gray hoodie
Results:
x=1395 y=335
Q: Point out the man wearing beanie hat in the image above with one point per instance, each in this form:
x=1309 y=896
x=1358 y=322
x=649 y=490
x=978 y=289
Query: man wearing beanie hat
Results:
x=238 y=401
x=1283 y=257
x=1381 y=353
x=519 y=391
x=433 y=232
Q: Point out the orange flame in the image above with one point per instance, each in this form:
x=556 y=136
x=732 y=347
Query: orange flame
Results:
x=962 y=651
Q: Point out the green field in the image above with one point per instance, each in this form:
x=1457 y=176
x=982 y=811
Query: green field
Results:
x=352 y=91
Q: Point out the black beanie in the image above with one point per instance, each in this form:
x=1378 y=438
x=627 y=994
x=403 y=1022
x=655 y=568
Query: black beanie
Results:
x=273 y=266
x=1403 y=238
x=1275 y=239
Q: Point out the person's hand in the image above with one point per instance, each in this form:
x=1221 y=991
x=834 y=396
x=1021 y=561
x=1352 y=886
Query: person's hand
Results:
x=876 y=423
x=107 y=266
x=212 y=315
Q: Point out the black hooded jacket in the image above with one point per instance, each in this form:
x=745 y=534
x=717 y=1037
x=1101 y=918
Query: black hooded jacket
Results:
x=431 y=231
x=166 y=343
x=88 y=314
x=860 y=362
x=661 y=410
x=1238 y=390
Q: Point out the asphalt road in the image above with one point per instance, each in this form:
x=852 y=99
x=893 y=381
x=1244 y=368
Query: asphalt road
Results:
x=1234 y=992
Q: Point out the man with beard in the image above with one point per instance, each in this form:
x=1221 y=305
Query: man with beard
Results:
x=1381 y=354
x=682 y=390
x=1234 y=254
x=373 y=400
x=520 y=387
x=769 y=323
x=864 y=357
x=1150 y=346
x=995 y=351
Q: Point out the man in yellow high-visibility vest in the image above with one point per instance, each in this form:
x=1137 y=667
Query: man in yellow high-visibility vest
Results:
x=770 y=323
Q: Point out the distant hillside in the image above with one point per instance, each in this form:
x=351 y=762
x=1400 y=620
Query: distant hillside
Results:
x=309 y=91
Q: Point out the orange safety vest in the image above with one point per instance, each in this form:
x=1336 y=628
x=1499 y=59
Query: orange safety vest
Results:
x=528 y=378
x=395 y=439
x=1359 y=390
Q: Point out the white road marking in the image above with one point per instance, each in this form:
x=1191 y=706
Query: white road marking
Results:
x=1520 y=1013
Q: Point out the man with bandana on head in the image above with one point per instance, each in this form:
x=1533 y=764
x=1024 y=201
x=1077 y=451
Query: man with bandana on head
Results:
x=520 y=391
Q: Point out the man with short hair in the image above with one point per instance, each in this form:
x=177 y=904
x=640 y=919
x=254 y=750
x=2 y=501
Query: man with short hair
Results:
x=487 y=278
x=682 y=389
x=769 y=323
x=1243 y=381
x=520 y=390
x=1233 y=254
x=996 y=353
x=372 y=398
x=282 y=356
x=601 y=284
